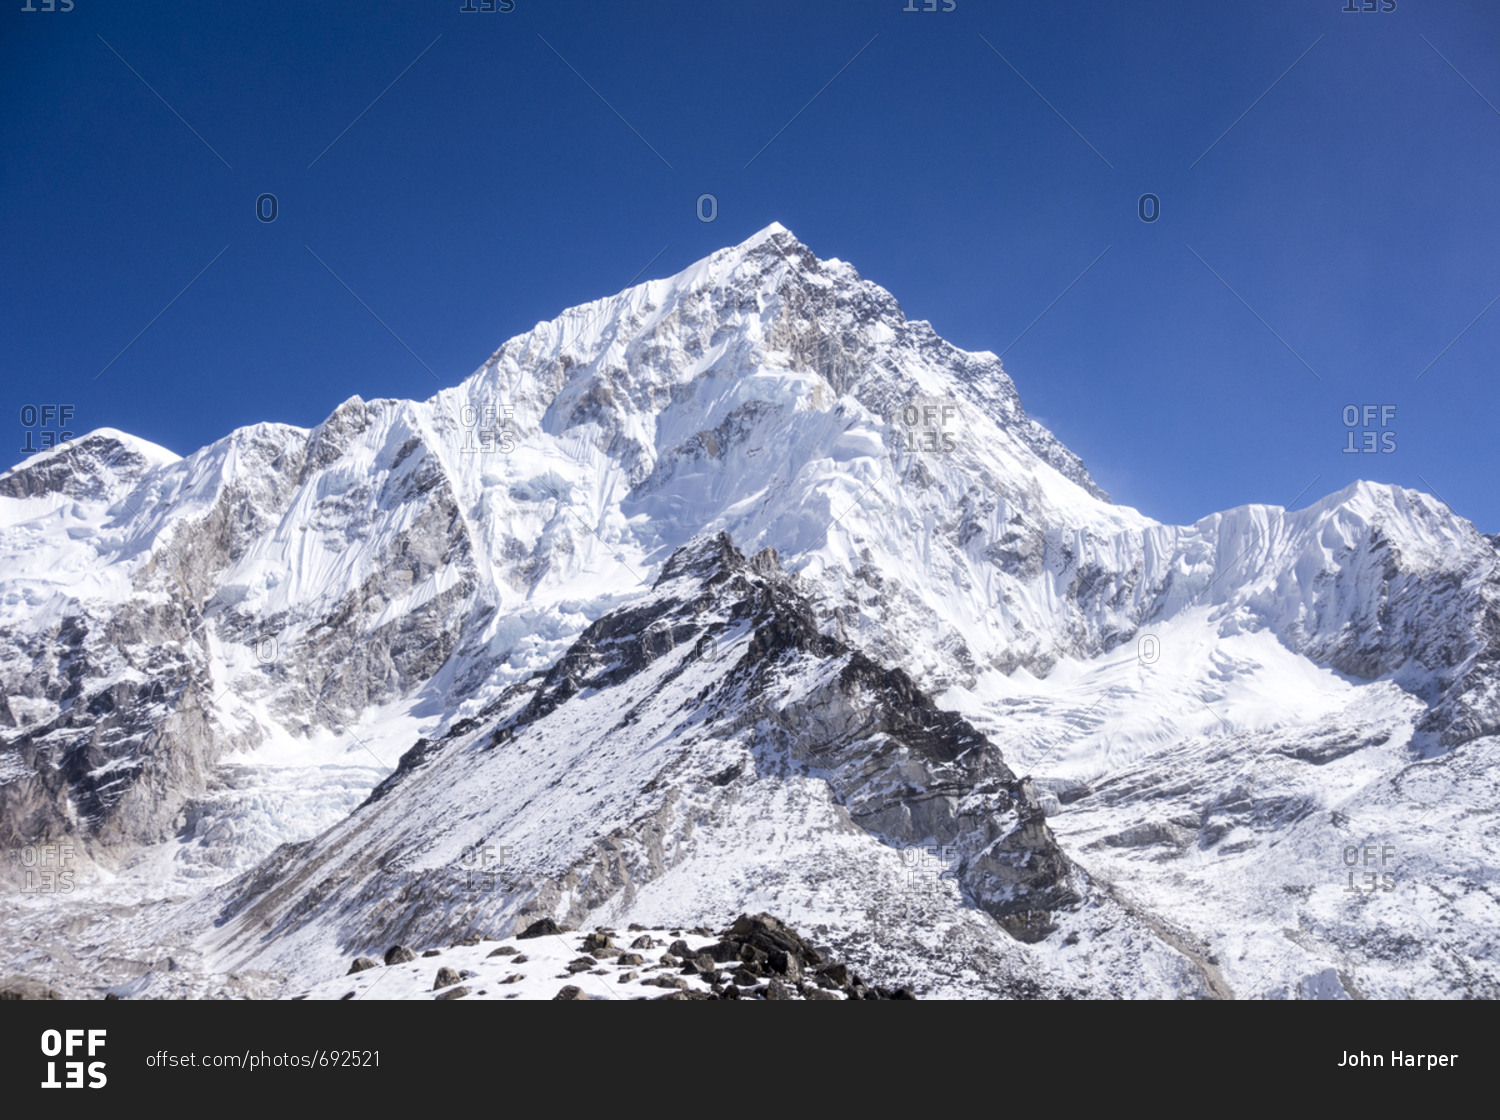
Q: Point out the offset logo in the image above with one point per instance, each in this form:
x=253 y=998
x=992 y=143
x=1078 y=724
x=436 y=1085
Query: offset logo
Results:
x=481 y=422
x=1353 y=414
x=48 y=868
x=1381 y=880
x=67 y=1044
x=928 y=426
x=45 y=426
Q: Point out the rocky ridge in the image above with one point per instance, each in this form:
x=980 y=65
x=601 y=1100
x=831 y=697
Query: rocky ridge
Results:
x=755 y=957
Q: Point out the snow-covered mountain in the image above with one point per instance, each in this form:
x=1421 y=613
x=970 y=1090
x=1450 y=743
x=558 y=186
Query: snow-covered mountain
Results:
x=738 y=591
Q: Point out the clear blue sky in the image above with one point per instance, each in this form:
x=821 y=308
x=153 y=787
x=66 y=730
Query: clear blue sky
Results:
x=1352 y=208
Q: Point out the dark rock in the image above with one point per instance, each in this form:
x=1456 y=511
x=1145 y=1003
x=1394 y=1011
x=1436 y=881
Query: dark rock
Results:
x=446 y=978
x=643 y=942
x=453 y=993
x=787 y=964
x=1029 y=926
x=838 y=973
x=398 y=954
x=571 y=991
x=543 y=927
x=767 y=935
x=24 y=988
x=504 y=951
x=361 y=964
x=433 y=953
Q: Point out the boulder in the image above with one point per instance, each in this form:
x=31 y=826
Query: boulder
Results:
x=543 y=927
x=398 y=954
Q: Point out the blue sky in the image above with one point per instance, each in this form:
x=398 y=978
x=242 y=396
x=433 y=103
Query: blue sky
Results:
x=1327 y=226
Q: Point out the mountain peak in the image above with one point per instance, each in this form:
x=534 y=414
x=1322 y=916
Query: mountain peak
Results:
x=766 y=234
x=78 y=466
